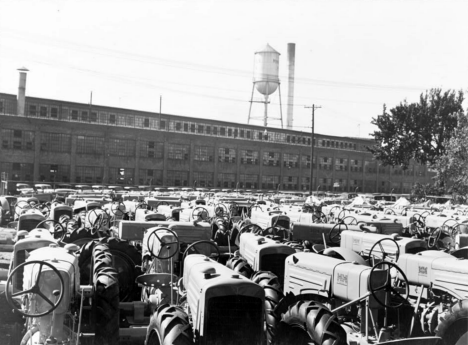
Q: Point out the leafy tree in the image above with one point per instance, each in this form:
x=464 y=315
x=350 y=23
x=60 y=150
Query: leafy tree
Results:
x=420 y=191
x=452 y=166
x=417 y=130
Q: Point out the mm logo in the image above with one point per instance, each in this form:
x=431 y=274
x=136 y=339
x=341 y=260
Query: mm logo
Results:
x=342 y=279
x=422 y=271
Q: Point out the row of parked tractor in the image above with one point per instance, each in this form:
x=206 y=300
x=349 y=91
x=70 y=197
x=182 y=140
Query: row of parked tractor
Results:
x=141 y=269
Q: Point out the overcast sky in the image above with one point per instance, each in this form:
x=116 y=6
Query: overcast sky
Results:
x=351 y=56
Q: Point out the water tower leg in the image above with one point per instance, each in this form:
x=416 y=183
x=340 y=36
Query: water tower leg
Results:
x=281 y=106
x=265 y=116
x=251 y=101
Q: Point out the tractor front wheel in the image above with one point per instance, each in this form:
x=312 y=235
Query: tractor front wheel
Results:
x=454 y=328
x=169 y=325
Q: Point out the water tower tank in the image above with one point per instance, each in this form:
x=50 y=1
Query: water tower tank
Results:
x=266 y=70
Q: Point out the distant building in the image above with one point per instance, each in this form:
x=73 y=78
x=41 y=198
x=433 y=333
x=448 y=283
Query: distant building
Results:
x=59 y=141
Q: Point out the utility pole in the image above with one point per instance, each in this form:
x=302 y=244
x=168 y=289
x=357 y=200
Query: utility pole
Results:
x=313 y=107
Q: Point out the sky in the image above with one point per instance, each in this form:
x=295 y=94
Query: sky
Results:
x=352 y=56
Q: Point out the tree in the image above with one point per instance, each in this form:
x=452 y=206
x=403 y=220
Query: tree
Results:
x=417 y=130
x=452 y=166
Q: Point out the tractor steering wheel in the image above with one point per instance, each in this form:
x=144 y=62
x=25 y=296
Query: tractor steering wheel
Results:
x=142 y=205
x=98 y=221
x=387 y=286
x=221 y=210
x=319 y=217
x=117 y=211
x=192 y=249
x=254 y=228
x=434 y=238
x=202 y=213
x=172 y=247
x=35 y=289
x=275 y=231
x=334 y=235
x=384 y=253
x=59 y=231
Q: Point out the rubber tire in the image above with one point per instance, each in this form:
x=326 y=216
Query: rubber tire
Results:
x=119 y=248
x=264 y=278
x=455 y=324
x=317 y=320
x=105 y=305
x=240 y=266
x=169 y=325
x=272 y=297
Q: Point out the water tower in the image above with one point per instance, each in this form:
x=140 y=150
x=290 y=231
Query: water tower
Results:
x=266 y=80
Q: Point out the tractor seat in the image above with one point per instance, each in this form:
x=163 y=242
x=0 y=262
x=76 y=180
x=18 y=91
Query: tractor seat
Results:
x=154 y=217
x=156 y=279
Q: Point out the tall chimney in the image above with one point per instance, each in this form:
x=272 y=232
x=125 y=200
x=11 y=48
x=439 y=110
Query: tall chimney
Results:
x=21 y=91
x=291 y=66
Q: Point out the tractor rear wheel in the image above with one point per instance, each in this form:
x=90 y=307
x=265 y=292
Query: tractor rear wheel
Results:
x=105 y=304
x=126 y=258
x=241 y=266
x=264 y=278
x=309 y=321
x=169 y=325
x=454 y=328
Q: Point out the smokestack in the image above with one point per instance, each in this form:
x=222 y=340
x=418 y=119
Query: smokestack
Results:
x=291 y=67
x=21 y=91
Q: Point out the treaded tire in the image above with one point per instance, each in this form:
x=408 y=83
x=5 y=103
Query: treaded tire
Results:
x=126 y=258
x=315 y=319
x=105 y=306
x=169 y=325
x=240 y=266
x=264 y=278
x=455 y=324
x=272 y=296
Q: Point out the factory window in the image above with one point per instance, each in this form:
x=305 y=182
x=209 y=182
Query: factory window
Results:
x=151 y=149
x=74 y=115
x=84 y=116
x=288 y=139
x=215 y=130
x=2 y=107
x=269 y=182
x=222 y=131
x=227 y=180
x=54 y=173
x=121 y=175
x=17 y=139
x=150 y=177
x=241 y=133
x=227 y=155
x=121 y=147
x=203 y=153
x=248 y=181
x=290 y=160
x=229 y=132
x=208 y=130
x=305 y=160
x=308 y=141
x=177 y=178
x=290 y=182
x=43 y=111
x=248 y=134
x=32 y=110
x=19 y=171
x=192 y=128
x=178 y=151
x=200 y=128
x=112 y=119
x=293 y=139
x=54 y=112
x=185 y=127
x=203 y=179
x=146 y=122
x=55 y=142
x=89 y=145
x=249 y=157
x=271 y=158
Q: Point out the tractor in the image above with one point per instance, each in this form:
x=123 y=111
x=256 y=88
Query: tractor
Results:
x=334 y=301
x=217 y=306
x=45 y=289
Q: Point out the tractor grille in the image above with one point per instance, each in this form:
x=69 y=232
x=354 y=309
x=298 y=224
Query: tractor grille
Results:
x=59 y=213
x=28 y=224
x=234 y=320
x=284 y=223
x=275 y=264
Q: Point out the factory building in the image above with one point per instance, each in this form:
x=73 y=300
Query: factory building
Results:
x=54 y=141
